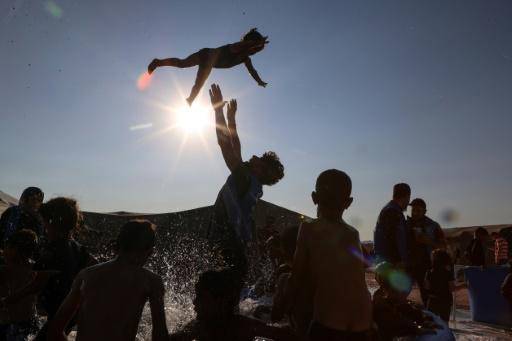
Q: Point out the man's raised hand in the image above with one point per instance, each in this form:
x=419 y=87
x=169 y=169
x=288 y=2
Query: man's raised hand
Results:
x=232 y=106
x=216 y=97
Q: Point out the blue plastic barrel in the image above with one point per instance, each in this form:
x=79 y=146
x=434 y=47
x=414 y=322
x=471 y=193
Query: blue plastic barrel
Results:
x=485 y=299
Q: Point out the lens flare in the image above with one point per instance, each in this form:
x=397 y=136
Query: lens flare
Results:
x=141 y=126
x=54 y=9
x=400 y=281
x=143 y=81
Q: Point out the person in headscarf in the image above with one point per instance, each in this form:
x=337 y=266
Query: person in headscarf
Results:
x=25 y=215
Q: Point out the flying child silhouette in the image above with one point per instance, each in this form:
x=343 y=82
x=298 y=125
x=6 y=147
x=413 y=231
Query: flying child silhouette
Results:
x=223 y=57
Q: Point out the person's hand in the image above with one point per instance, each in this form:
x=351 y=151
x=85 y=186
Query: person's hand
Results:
x=263 y=84
x=216 y=97
x=232 y=106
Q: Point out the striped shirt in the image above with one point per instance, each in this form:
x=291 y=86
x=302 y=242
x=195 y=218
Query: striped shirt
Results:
x=500 y=250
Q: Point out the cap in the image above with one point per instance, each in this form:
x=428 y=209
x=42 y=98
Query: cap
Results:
x=419 y=202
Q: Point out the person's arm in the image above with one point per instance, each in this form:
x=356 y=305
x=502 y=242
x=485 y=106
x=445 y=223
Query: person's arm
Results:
x=233 y=133
x=67 y=310
x=299 y=268
x=224 y=140
x=253 y=72
x=156 y=303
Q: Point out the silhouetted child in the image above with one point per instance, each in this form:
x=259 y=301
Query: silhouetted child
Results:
x=329 y=253
x=223 y=57
x=476 y=251
x=108 y=298
x=61 y=259
x=393 y=314
x=506 y=287
x=440 y=284
x=301 y=313
x=19 y=319
x=217 y=296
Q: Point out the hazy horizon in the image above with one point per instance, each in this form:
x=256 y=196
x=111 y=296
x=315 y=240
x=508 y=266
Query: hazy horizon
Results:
x=395 y=91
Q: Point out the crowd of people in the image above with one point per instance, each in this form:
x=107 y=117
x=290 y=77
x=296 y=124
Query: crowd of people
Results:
x=319 y=269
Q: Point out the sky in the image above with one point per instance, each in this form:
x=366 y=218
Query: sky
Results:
x=388 y=91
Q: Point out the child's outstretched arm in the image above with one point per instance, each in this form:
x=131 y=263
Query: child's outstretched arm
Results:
x=253 y=72
x=224 y=139
x=68 y=309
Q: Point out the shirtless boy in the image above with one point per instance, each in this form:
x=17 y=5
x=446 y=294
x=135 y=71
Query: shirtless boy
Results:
x=223 y=57
x=329 y=253
x=108 y=298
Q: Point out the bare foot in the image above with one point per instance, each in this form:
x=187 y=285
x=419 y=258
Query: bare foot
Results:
x=153 y=65
x=189 y=101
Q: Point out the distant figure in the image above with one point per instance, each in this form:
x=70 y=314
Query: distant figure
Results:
x=18 y=320
x=506 y=287
x=23 y=216
x=500 y=248
x=390 y=236
x=476 y=251
x=425 y=235
x=394 y=315
x=232 y=226
x=301 y=313
x=217 y=297
x=108 y=298
x=223 y=57
x=329 y=254
x=440 y=284
x=60 y=260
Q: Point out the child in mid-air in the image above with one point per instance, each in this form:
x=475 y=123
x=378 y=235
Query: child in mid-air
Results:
x=223 y=57
x=440 y=284
x=19 y=319
x=108 y=298
x=329 y=255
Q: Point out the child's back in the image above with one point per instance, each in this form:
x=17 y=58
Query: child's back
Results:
x=113 y=295
x=342 y=300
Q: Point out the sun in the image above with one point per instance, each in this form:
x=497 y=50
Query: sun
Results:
x=192 y=120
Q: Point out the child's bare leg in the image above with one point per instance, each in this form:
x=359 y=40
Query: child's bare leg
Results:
x=192 y=60
x=202 y=75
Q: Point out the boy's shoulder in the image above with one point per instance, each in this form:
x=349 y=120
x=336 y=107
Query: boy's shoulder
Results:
x=318 y=225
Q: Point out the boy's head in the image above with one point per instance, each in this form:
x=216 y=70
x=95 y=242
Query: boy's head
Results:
x=61 y=216
x=32 y=198
x=20 y=247
x=217 y=294
x=402 y=195
x=441 y=259
x=267 y=168
x=257 y=39
x=332 y=190
x=137 y=237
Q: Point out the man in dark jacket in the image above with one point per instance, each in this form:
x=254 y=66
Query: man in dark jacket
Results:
x=425 y=235
x=390 y=237
x=23 y=216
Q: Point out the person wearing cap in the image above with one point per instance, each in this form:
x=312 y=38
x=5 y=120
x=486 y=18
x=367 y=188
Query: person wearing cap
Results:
x=390 y=237
x=425 y=235
x=23 y=216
